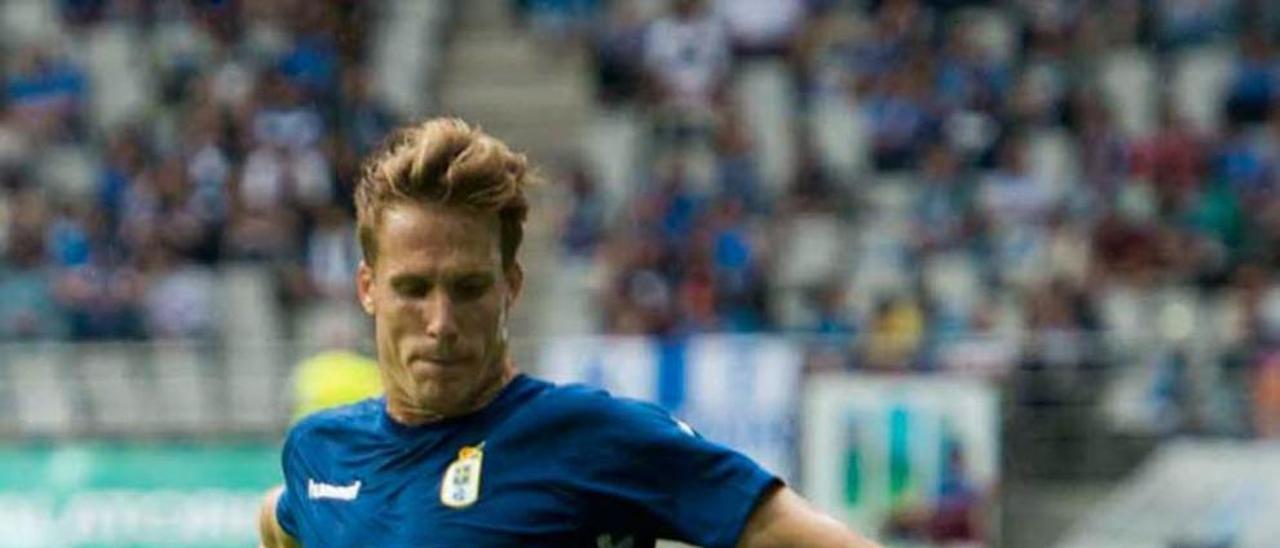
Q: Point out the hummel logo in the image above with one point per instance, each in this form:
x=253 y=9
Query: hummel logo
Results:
x=316 y=490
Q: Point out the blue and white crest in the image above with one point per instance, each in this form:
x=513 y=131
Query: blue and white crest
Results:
x=460 y=486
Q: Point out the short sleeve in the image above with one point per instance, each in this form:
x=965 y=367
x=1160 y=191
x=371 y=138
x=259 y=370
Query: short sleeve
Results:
x=289 y=505
x=285 y=514
x=646 y=472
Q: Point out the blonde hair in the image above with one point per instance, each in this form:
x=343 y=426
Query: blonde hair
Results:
x=444 y=161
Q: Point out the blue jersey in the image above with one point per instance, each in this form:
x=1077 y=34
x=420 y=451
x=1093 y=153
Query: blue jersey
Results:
x=542 y=465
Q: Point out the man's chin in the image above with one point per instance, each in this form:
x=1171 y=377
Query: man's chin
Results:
x=446 y=396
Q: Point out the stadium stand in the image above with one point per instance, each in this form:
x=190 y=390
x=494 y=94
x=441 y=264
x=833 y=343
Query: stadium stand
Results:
x=1075 y=200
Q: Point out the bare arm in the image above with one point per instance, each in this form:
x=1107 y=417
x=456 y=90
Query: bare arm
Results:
x=269 y=531
x=785 y=519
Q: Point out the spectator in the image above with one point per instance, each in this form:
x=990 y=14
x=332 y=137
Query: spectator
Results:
x=737 y=168
x=894 y=335
x=1011 y=195
x=178 y=303
x=1173 y=160
x=45 y=94
x=901 y=118
x=583 y=228
x=941 y=212
x=363 y=119
x=103 y=300
x=1186 y=23
x=617 y=47
x=761 y=27
x=741 y=291
x=559 y=18
x=28 y=308
x=1253 y=86
x=332 y=254
x=1104 y=150
x=686 y=58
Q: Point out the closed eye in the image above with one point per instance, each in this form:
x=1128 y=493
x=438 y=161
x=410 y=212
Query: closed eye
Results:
x=413 y=288
x=472 y=287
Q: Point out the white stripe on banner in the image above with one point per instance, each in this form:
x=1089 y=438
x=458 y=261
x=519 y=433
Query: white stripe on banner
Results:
x=742 y=393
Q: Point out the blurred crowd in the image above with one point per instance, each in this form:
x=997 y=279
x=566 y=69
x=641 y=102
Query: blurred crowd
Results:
x=245 y=149
x=916 y=185
x=966 y=185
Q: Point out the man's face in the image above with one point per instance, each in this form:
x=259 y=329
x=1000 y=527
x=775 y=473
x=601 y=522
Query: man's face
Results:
x=439 y=297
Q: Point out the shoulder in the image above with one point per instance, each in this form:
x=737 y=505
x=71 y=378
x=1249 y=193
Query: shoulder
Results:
x=337 y=422
x=575 y=400
x=578 y=409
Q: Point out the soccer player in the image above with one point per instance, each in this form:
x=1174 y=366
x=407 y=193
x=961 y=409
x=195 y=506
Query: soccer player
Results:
x=463 y=449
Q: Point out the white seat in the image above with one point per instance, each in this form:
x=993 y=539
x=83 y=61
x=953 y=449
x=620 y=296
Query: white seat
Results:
x=840 y=135
x=29 y=22
x=256 y=377
x=1124 y=318
x=1128 y=79
x=184 y=387
x=256 y=365
x=1225 y=313
x=891 y=197
x=69 y=171
x=612 y=144
x=993 y=32
x=120 y=395
x=249 y=309
x=176 y=41
x=1053 y=160
x=120 y=76
x=1199 y=86
x=811 y=251
x=879 y=261
x=405 y=54
x=763 y=90
x=953 y=279
x=1021 y=253
x=41 y=391
x=1179 y=316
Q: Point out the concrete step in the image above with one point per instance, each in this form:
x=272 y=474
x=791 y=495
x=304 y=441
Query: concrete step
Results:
x=486 y=46
x=514 y=117
x=528 y=135
x=502 y=55
x=503 y=72
x=515 y=102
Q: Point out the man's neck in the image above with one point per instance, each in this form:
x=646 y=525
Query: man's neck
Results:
x=409 y=416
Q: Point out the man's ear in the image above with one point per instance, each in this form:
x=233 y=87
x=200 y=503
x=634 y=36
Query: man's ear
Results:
x=364 y=287
x=514 y=275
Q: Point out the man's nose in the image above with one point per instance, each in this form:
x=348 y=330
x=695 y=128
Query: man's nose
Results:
x=441 y=320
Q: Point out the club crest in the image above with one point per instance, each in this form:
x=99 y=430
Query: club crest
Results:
x=461 y=484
